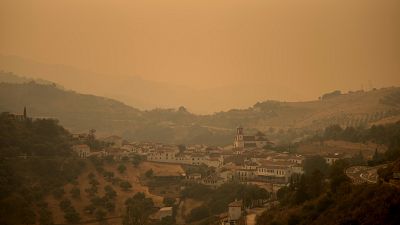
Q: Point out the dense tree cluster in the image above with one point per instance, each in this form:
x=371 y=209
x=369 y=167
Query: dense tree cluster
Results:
x=324 y=195
x=202 y=169
x=39 y=137
x=138 y=209
x=25 y=182
x=313 y=182
x=381 y=134
x=364 y=204
x=35 y=161
x=388 y=135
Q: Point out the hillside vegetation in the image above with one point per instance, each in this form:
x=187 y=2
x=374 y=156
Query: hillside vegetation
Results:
x=283 y=121
x=75 y=111
x=356 y=205
x=325 y=195
x=351 y=109
x=43 y=182
x=47 y=165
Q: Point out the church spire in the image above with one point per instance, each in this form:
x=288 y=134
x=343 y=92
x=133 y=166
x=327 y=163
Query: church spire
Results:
x=25 y=112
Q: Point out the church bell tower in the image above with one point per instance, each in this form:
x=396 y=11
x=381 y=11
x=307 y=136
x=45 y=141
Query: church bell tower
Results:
x=25 y=113
x=239 y=142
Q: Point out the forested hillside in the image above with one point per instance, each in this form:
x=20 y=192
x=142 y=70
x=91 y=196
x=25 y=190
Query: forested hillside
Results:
x=353 y=205
x=42 y=137
x=325 y=195
x=35 y=160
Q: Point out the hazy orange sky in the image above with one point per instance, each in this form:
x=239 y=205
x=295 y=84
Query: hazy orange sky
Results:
x=311 y=46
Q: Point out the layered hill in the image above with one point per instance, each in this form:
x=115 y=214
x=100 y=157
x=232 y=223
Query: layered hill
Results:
x=350 y=109
x=78 y=112
x=139 y=92
x=81 y=112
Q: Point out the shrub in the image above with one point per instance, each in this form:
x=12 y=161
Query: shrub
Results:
x=149 y=173
x=65 y=204
x=58 y=192
x=121 y=168
x=125 y=185
x=75 y=192
x=110 y=192
x=97 y=201
x=72 y=216
x=110 y=206
x=100 y=214
x=136 y=160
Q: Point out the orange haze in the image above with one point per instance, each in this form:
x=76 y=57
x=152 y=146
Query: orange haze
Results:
x=263 y=49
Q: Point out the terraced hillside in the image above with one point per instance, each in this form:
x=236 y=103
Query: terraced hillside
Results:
x=350 y=109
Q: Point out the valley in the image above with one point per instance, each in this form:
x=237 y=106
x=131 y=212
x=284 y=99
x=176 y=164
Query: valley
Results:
x=282 y=121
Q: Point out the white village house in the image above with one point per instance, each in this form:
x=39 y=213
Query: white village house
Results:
x=82 y=150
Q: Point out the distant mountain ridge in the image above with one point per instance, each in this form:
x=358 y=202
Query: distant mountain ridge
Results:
x=141 y=93
x=81 y=112
x=9 y=77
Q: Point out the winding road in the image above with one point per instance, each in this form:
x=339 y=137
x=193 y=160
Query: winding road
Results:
x=364 y=174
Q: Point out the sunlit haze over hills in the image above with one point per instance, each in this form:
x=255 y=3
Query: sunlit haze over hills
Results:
x=205 y=55
x=200 y=112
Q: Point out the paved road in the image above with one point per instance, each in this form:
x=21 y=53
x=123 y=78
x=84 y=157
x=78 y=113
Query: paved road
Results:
x=364 y=174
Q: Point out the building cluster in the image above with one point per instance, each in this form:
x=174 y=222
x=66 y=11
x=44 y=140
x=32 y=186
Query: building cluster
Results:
x=194 y=155
x=246 y=161
x=18 y=117
x=255 y=166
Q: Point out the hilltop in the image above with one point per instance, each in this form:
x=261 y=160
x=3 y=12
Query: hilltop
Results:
x=350 y=109
x=283 y=121
x=75 y=111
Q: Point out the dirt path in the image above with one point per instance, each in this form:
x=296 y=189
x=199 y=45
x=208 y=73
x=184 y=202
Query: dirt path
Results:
x=179 y=214
x=251 y=218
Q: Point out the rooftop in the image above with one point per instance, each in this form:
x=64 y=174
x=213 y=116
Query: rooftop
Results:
x=249 y=138
x=236 y=204
x=166 y=209
x=272 y=164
